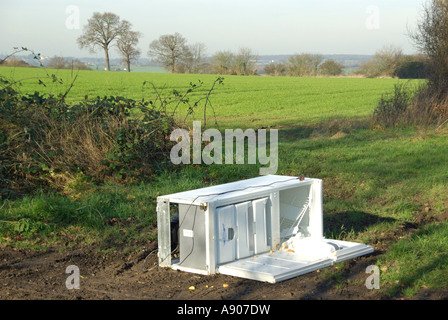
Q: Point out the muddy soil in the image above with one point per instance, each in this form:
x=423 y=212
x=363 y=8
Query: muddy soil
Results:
x=26 y=274
x=34 y=275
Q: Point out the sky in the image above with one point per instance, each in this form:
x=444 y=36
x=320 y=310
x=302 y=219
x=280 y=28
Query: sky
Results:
x=267 y=27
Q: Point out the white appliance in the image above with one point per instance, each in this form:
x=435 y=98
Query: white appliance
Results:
x=268 y=228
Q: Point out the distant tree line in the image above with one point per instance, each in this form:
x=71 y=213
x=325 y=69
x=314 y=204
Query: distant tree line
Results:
x=14 y=62
x=303 y=65
x=391 y=62
x=241 y=63
x=105 y=30
x=387 y=62
x=174 y=53
x=57 y=62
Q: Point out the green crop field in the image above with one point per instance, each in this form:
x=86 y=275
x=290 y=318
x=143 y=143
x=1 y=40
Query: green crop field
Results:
x=252 y=101
x=384 y=187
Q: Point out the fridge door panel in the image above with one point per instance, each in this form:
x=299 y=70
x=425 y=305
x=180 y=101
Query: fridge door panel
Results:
x=261 y=225
x=282 y=265
x=245 y=237
x=226 y=234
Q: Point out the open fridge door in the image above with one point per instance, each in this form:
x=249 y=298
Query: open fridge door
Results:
x=297 y=257
x=296 y=221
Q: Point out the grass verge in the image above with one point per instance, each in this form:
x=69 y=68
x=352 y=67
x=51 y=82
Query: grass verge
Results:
x=384 y=187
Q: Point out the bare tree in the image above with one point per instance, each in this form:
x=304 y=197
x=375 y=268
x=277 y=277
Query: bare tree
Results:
x=127 y=45
x=100 y=32
x=388 y=59
x=78 y=65
x=244 y=62
x=431 y=38
x=331 y=68
x=222 y=62
x=57 y=62
x=276 y=69
x=192 y=60
x=168 y=50
x=384 y=63
x=304 y=64
x=196 y=60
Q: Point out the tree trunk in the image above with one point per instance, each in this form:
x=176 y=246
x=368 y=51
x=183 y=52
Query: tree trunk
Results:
x=173 y=62
x=128 y=62
x=106 y=52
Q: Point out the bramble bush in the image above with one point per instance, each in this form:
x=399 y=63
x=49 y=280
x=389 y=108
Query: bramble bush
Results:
x=46 y=142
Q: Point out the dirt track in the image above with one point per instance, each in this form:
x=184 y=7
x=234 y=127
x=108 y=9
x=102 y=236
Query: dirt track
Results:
x=35 y=275
x=28 y=275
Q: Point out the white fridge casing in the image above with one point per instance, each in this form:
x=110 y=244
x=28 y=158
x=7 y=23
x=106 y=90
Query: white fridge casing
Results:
x=268 y=228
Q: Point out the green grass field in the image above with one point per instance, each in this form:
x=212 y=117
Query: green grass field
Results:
x=384 y=187
x=253 y=101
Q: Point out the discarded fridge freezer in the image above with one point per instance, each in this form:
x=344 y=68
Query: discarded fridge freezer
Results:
x=268 y=228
